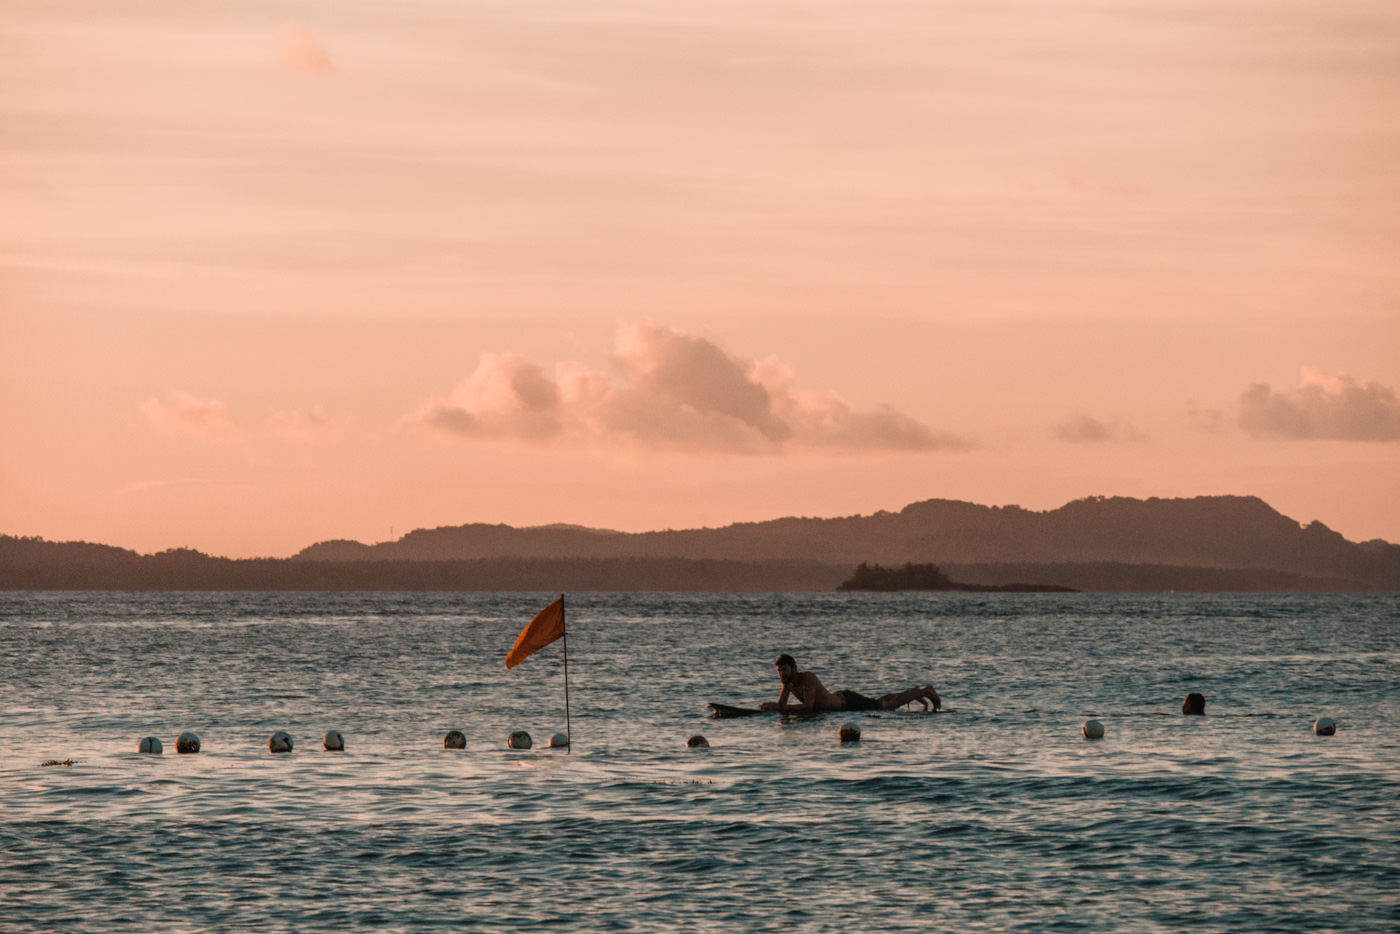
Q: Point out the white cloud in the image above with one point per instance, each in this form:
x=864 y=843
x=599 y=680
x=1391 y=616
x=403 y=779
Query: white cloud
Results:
x=671 y=391
x=183 y=415
x=1331 y=407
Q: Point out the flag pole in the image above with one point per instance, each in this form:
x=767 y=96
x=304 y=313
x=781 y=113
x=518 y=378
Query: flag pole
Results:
x=568 y=734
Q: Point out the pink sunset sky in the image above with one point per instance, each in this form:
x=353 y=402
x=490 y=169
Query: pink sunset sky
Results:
x=279 y=272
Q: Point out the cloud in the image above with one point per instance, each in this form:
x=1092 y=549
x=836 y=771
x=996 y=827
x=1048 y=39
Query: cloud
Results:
x=689 y=373
x=507 y=397
x=311 y=426
x=183 y=415
x=1085 y=429
x=1324 y=407
x=669 y=390
x=301 y=53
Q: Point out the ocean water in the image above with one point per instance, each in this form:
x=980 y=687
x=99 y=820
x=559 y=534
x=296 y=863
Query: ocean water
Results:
x=995 y=815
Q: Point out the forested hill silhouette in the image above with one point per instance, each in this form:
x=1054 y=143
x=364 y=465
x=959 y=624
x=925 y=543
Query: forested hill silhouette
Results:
x=1210 y=544
x=1230 y=532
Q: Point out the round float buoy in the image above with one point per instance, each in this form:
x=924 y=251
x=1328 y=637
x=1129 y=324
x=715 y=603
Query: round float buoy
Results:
x=697 y=742
x=559 y=741
x=519 y=740
x=1194 y=705
x=1093 y=729
x=333 y=741
x=455 y=739
x=849 y=733
x=1324 y=726
x=151 y=745
x=187 y=742
x=279 y=742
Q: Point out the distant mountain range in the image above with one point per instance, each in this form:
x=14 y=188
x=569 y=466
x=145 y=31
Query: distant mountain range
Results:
x=1223 y=532
x=1213 y=543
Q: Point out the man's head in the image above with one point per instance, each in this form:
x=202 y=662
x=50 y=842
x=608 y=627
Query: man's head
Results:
x=786 y=666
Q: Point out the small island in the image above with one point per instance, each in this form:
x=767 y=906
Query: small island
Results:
x=874 y=577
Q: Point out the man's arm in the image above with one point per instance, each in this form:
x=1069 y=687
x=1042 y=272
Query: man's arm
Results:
x=782 y=699
x=810 y=688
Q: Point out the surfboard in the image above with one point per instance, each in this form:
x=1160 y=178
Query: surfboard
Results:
x=730 y=712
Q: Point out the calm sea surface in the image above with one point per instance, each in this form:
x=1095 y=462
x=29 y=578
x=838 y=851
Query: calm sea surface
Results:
x=995 y=816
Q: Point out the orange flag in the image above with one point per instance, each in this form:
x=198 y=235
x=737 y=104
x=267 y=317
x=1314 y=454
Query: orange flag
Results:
x=547 y=626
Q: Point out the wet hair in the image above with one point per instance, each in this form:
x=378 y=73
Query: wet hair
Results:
x=785 y=659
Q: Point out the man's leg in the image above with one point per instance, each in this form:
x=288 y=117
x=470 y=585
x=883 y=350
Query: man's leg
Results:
x=924 y=695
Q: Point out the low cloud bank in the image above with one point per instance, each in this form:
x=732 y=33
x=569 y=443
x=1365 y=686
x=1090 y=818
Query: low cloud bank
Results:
x=669 y=390
x=1325 y=407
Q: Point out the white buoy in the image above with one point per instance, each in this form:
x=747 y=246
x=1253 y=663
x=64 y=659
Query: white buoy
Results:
x=333 y=741
x=455 y=739
x=697 y=742
x=519 y=740
x=188 y=742
x=1324 y=726
x=279 y=742
x=151 y=745
x=1093 y=729
x=849 y=733
x=559 y=741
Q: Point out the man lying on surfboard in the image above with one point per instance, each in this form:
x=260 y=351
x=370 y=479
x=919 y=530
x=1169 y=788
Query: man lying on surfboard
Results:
x=812 y=697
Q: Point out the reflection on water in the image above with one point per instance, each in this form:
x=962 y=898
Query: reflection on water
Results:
x=997 y=815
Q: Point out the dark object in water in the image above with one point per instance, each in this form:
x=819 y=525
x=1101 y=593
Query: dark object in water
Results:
x=849 y=733
x=56 y=762
x=1194 y=705
x=928 y=577
x=455 y=739
x=697 y=742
